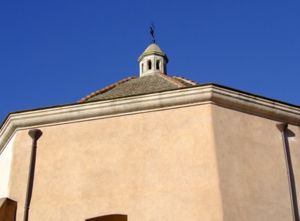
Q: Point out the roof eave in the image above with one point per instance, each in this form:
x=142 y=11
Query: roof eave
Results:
x=217 y=94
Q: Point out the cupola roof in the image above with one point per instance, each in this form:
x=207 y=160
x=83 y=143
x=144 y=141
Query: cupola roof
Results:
x=153 y=48
x=153 y=78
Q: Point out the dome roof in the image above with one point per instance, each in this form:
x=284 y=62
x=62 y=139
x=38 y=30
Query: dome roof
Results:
x=132 y=86
x=153 y=49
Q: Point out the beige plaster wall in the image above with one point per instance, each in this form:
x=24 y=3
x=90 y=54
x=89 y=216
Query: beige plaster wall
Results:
x=158 y=165
x=5 y=168
x=251 y=164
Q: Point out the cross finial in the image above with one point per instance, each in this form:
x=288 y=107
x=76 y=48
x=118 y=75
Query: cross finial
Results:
x=152 y=32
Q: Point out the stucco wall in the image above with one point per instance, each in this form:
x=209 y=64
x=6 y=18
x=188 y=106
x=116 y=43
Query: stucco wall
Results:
x=200 y=162
x=158 y=165
x=252 y=169
x=5 y=168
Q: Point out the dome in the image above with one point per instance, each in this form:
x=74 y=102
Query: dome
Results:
x=133 y=86
x=152 y=49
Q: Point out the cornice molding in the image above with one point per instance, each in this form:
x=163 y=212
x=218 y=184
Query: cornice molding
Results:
x=218 y=95
x=252 y=104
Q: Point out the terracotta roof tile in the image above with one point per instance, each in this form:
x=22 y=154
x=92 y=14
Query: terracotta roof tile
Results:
x=185 y=80
x=172 y=80
x=103 y=90
x=136 y=86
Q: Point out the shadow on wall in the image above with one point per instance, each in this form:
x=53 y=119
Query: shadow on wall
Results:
x=290 y=133
x=112 y=217
x=8 y=209
x=287 y=133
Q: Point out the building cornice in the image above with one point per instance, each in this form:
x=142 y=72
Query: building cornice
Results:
x=199 y=94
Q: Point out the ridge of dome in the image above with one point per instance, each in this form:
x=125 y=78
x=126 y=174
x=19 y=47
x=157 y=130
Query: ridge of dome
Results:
x=153 y=48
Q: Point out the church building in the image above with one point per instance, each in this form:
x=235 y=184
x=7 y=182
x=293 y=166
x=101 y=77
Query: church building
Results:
x=153 y=147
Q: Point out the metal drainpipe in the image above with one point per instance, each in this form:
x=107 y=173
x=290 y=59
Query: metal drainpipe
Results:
x=283 y=128
x=35 y=134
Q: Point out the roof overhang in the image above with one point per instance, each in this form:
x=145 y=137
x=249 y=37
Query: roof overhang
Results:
x=200 y=94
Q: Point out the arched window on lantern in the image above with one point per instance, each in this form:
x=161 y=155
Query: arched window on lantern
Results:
x=149 y=65
x=158 y=65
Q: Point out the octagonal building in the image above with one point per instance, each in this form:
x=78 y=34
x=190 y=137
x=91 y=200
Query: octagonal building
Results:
x=153 y=147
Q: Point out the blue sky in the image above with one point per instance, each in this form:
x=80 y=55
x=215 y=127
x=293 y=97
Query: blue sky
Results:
x=55 y=52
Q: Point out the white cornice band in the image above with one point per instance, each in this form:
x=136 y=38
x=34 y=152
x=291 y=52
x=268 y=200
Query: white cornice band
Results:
x=181 y=97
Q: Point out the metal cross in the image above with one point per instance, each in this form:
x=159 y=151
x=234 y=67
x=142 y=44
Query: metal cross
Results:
x=152 y=32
